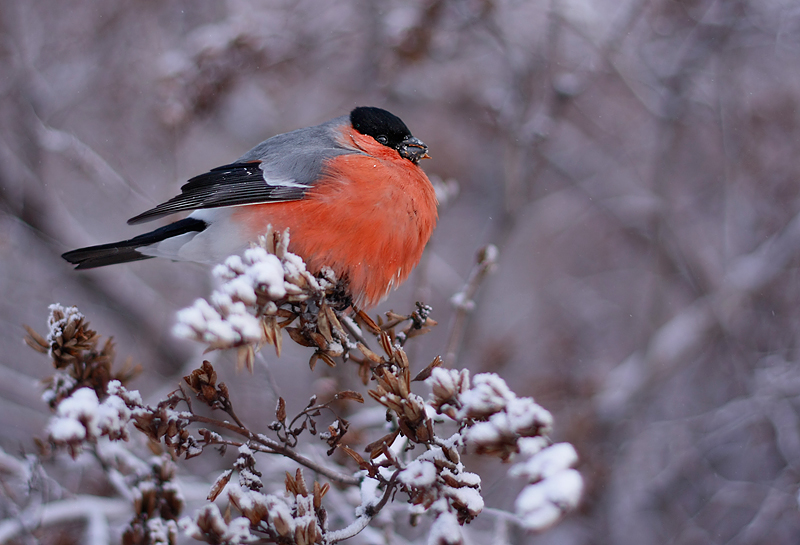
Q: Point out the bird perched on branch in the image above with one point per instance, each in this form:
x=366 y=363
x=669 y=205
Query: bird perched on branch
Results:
x=350 y=192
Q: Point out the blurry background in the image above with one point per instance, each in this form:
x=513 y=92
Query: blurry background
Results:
x=636 y=162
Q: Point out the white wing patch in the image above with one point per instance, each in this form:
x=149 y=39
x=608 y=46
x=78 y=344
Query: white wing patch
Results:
x=285 y=183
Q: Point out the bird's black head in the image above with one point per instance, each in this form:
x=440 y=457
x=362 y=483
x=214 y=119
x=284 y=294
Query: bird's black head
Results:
x=389 y=130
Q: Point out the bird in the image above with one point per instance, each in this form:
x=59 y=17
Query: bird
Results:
x=350 y=191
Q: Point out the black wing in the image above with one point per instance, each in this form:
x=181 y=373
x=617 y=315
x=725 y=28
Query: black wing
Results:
x=234 y=184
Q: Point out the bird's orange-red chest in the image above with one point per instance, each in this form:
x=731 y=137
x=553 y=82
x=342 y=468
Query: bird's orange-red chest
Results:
x=368 y=218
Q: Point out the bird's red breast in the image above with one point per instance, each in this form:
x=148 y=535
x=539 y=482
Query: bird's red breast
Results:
x=368 y=217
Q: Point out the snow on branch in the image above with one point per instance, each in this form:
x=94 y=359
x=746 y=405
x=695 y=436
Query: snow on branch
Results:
x=413 y=467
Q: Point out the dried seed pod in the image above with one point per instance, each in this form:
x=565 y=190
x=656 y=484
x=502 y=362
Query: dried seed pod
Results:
x=369 y=354
x=280 y=411
x=219 y=485
x=327 y=359
x=323 y=325
x=425 y=373
x=297 y=336
x=350 y=394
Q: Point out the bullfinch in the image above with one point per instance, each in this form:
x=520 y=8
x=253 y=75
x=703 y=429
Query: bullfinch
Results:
x=350 y=191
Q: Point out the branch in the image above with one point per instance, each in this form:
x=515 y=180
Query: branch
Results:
x=273 y=447
x=355 y=527
x=463 y=301
x=307 y=462
x=80 y=507
x=683 y=334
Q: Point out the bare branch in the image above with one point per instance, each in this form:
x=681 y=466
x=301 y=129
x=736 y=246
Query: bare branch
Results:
x=464 y=303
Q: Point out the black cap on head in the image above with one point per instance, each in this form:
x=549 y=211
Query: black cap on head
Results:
x=389 y=130
x=383 y=126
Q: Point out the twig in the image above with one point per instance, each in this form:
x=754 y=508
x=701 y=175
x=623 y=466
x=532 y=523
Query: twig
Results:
x=370 y=512
x=354 y=330
x=276 y=448
x=463 y=300
x=683 y=334
x=80 y=507
x=310 y=464
x=221 y=423
x=229 y=410
x=90 y=161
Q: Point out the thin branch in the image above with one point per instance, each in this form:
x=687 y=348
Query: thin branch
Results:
x=229 y=410
x=80 y=507
x=307 y=462
x=223 y=424
x=464 y=302
x=91 y=162
x=363 y=521
x=667 y=349
x=273 y=447
x=354 y=330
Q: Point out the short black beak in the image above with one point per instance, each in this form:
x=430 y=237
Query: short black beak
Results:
x=413 y=149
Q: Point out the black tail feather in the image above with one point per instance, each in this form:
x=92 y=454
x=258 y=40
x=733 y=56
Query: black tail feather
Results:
x=126 y=250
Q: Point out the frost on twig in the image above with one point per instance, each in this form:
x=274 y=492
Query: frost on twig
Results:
x=262 y=293
x=413 y=467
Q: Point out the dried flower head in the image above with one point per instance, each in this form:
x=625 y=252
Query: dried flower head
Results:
x=76 y=355
x=157 y=504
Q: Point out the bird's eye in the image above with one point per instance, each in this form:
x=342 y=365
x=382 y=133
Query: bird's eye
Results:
x=382 y=139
